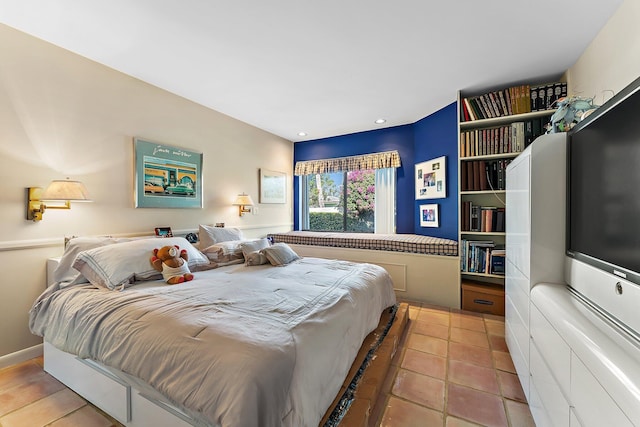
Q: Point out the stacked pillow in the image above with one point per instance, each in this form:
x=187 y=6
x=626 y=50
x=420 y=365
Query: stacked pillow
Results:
x=226 y=246
x=64 y=272
x=116 y=262
x=280 y=254
x=252 y=252
x=212 y=235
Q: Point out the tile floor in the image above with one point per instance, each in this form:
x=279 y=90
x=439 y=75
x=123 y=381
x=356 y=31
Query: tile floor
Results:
x=452 y=369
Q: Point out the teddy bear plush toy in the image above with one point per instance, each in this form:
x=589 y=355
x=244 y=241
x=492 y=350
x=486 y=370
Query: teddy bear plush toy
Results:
x=172 y=263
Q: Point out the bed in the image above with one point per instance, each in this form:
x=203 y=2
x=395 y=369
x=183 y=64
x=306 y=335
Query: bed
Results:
x=238 y=345
x=423 y=268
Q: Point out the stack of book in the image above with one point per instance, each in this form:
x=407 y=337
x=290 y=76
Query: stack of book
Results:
x=514 y=100
x=483 y=175
x=481 y=256
x=482 y=218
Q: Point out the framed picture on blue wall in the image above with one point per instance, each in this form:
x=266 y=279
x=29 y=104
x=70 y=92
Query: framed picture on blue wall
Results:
x=429 y=216
x=431 y=179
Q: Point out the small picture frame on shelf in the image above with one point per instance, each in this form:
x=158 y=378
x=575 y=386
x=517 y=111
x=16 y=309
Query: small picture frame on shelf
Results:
x=431 y=182
x=163 y=232
x=429 y=216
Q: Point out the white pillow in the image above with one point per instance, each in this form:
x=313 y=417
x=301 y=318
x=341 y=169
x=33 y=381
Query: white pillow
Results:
x=225 y=252
x=253 y=246
x=280 y=254
x=255 y=258
x=122 y=264
x=212 y=235
x=65 y=272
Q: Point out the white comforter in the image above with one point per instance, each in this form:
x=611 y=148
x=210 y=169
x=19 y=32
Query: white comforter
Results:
x=237 y=346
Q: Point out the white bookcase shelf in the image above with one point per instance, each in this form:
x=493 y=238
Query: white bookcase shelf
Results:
x=492 y=134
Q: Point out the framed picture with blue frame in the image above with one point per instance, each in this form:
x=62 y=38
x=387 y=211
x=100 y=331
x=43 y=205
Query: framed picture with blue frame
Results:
x=166 y=176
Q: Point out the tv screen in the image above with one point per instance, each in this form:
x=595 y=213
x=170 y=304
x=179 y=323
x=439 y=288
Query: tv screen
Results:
x=604 y=187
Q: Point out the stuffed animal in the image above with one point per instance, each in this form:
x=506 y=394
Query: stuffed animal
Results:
x=172 y=263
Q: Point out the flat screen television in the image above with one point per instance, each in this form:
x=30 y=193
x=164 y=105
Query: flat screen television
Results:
x=603 y=205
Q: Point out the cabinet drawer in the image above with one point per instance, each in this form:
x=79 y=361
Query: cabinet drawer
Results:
x=553 y=401
x=540 y=415
x=593 y=405
x=89 y=381
x=483 y=299
x=556 y=352
x=148 y=413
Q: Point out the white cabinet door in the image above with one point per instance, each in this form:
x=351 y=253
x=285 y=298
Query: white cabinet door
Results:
x=518 y=212
x=593 y=405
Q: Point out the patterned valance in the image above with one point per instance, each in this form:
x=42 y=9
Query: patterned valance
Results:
x=388 y=159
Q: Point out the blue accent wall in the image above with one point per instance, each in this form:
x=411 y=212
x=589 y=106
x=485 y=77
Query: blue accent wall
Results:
x=433 y=136
x=437 y=135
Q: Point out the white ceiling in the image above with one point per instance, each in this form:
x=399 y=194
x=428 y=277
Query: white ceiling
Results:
x=328 y=67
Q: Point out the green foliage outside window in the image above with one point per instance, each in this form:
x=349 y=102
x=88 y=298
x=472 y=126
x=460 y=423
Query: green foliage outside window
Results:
x=323 y=193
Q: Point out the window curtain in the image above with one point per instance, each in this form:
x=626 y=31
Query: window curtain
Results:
x=387 y=159
x=385 y=212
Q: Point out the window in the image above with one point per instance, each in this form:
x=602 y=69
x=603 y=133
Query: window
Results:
x=361 y=201
x=354 y=194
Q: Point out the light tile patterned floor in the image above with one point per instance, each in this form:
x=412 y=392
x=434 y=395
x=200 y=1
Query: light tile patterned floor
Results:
x=452 y=369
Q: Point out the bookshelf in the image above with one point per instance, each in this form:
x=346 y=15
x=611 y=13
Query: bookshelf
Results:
x=488 y=141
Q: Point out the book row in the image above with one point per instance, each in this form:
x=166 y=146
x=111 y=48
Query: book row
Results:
x=512 y=138
x=545 y=97
x=483 y=175
x=514 y=100
x=481 y=256
x=482 y=218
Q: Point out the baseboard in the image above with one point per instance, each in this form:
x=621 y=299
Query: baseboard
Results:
x=20 y=356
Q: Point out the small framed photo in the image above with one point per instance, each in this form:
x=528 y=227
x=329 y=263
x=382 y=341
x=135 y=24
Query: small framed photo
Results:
x=431 y=179
x=164 y=232
x=429 y=216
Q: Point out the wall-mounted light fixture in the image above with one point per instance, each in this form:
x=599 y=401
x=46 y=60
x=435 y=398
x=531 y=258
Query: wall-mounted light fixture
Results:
x=62 y=190
x=242 y=201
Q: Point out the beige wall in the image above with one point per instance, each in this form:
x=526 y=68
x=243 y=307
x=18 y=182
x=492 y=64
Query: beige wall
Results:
x=612 y=60
x=63 y=115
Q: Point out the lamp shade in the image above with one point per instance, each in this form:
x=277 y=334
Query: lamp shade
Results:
x=243 y=200
x=65 y=189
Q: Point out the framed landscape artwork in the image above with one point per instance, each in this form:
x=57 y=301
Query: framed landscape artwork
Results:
x=273 y=186
x=431 y=179
x=166 y=176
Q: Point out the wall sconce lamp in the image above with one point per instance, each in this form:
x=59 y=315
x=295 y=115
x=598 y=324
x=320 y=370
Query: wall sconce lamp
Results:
x=242 y=201
x=62 y=190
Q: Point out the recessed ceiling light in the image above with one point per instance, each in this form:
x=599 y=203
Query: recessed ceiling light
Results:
x=380 y=121
x=302 y=134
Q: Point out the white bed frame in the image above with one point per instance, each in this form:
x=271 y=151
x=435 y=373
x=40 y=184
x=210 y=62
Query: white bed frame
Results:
x=123 y=399
x=112 y=394
x=434 y=279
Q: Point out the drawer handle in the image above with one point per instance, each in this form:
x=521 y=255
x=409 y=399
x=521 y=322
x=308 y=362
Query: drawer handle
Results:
x=483 y=301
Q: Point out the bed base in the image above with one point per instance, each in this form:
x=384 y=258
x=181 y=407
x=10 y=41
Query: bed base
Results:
x=133 y=407
x=434 y=279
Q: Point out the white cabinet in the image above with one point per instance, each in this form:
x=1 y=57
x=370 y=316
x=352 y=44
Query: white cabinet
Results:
x=584 y=371
x=535 y=224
